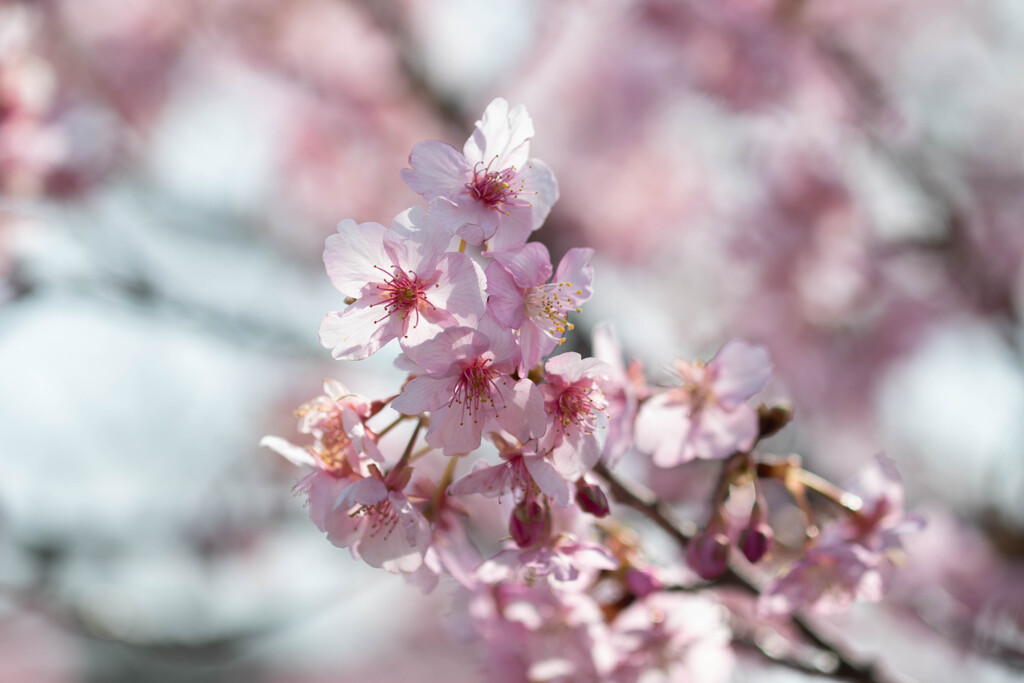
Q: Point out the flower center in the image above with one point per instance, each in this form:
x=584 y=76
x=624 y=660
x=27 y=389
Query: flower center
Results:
x=695 y=386
x=577 y=405
x=549 y=305
x=333 y=442
x=495 y=188
x=474 y=386
x=402 y=293
x=380 y=517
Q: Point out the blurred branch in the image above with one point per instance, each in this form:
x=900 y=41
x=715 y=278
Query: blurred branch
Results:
x=841 y=664
x=964 y=266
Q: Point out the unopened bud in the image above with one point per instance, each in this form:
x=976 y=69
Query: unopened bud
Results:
x=642 y=582
x=591 y=498
x=756 y=541
x=527 y=523
x=772 y=419
x=708 y=554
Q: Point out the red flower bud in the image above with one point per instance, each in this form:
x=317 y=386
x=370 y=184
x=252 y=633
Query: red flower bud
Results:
x=708 y=554
x=756 y=541
x=527 y=523
x=591 y=499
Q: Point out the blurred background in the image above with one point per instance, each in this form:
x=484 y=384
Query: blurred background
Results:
x=843 y=182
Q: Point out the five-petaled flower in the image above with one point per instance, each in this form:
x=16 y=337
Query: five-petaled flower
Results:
x=706 y=415
x=402 y=284
x=492 y=191
x=465 y=380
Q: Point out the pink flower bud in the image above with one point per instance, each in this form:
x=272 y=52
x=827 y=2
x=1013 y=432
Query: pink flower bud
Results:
x=591 y=499
x=642 y=582
x=708 y=554
x=756 y=540
x=527 y=523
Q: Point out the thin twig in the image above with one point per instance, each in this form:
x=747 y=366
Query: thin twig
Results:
x=846 y=666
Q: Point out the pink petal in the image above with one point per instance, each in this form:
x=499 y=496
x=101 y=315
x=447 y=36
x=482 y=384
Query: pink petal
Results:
x=501 y=343
x=717 y=433
x=366 y=491
x=445 y=350
x=294 y=454
x=576 y=454
x=529 y=264
x=570 y=368
x=460 y=289
x=438 y=170
x=740 y=370
x=550 y=482
x=505 y=298
x=521 y=409
x=342 y=529
x=538 y=178
x=501 y=137
x=352 y=256
x=455 y=430
x=358 y=331
x=424 y=393
x=488 y=480
x=513 y=228
x=421 y=328
x=575 y=269
x=661 y=429
x=465 y=216
x=534 y=344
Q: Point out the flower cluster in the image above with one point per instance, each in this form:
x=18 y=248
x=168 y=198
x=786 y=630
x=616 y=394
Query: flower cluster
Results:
x=559 y=590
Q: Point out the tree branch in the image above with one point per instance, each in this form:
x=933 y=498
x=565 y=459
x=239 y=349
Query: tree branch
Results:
x=841 y=665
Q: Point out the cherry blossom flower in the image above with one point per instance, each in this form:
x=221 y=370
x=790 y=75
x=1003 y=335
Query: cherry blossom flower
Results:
x=855 y=557
x=451 y=551
x=706 y=416
x=575 y=405
x=561 y=557
x=467 y=385
x=623 y=389
x=403 y=282
x=827 y=580
x=522 y=473
x=540 y=633
x=672 y=637
x=522 y=298
x=492 y=191
x=376 y=521
x=339 y=453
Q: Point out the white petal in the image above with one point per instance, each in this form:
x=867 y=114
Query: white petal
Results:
x=438 y=170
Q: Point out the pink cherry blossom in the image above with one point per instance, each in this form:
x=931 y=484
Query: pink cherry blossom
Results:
x=522 y=473
x=451 y=551
x=522 y=298
x=341 y=449
x=672 y=637
x=467 y=385
x=335 y=420
x=880 y=521
x=540 y=633
x=827 y=579
x=492 y=191
x=374 y=519
x=855 y=557
x=622 y=390
x=403 y=282
x=562 y=557
x=706 y=416
x=576 y=409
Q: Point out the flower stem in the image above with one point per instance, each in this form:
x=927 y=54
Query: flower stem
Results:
x=409 y=447
x=391 y=426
